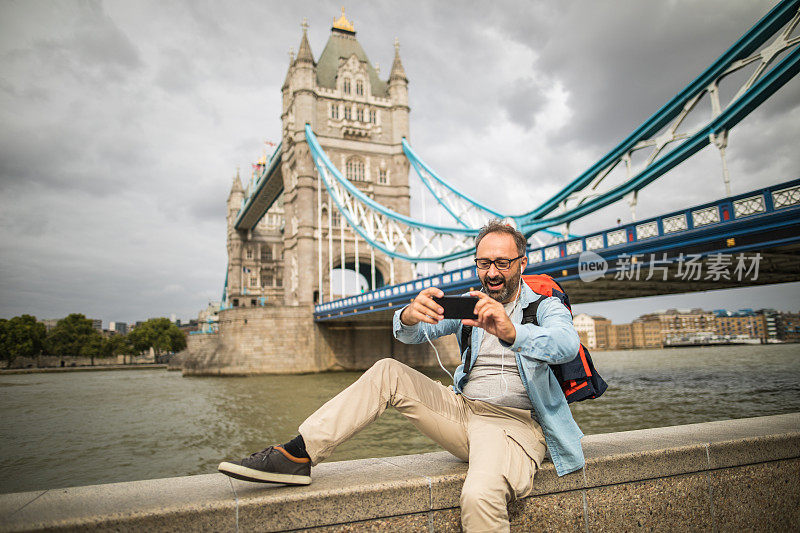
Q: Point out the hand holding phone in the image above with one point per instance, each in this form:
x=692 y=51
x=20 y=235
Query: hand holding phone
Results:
x=423 y=308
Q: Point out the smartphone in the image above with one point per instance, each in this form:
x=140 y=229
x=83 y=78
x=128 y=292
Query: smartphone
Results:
x=458 y=306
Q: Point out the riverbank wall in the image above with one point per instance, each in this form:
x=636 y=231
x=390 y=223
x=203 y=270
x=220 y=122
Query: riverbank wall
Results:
x=55 y=361
x=729 y=475
x=96 y=368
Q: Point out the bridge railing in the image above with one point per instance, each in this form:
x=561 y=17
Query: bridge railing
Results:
x=678 y=228
x=737 y=207
x=254 y=198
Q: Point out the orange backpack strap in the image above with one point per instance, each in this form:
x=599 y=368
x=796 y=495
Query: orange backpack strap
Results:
x=540 y=283
x=546 y=285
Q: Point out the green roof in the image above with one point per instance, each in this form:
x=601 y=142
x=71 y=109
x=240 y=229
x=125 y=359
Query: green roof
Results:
x=343 y=45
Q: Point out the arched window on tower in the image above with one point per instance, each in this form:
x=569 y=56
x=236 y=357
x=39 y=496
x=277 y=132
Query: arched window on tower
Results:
x=336 y=218
x=354 y=169
x=359 y=88
x=334 y=110
x=360 y=114
x=347 y=112
x=346 y=86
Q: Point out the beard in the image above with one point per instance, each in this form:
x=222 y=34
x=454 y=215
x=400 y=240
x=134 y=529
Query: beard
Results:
x=507 y=290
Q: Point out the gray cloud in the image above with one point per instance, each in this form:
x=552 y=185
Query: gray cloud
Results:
x=637 y=57
x=522 y=101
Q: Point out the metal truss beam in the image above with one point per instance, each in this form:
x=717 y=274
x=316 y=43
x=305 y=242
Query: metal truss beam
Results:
x=758 y=92
x=660 y=129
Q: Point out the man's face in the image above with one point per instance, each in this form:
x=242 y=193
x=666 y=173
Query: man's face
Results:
x=501 y=285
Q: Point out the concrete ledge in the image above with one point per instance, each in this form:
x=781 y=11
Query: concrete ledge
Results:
x=733 y=474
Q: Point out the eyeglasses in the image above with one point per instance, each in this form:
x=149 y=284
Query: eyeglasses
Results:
x=501 y=264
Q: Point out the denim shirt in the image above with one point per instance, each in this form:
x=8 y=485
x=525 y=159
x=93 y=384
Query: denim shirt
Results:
x=553 y=341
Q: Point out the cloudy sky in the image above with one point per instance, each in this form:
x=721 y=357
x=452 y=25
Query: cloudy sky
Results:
x=122 y=124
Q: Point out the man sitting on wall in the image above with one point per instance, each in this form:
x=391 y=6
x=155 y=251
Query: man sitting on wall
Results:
x=500 y=415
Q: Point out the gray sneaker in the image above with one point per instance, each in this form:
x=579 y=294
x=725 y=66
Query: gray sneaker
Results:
x=273 y=465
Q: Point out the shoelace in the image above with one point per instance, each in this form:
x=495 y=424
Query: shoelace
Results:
x=262 y=454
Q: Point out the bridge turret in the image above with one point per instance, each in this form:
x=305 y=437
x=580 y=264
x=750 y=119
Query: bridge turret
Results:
x=235 y=197
x=286 y=87
x=398 y=92
x=304 y=54
x=235 y=238
x=302 y=87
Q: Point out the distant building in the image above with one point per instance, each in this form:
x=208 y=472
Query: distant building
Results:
x=584 y=325
x=771 y=322
x=789 y=327
x=742 y=323
x=597 y=332
x=646 y=333
x=602 y=325
x=118 y=327
x=620 y=337
x=594 y=330
x=682 y=323
x=49 y=323
x=689 y=327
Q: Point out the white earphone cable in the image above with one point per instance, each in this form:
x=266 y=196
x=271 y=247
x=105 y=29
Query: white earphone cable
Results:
x=502 y=360
x=502 y=374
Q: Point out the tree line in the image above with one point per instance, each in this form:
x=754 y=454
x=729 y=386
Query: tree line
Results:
x=74 y=336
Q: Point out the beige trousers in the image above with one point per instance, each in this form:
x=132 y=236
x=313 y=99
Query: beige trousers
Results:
x=504 y=446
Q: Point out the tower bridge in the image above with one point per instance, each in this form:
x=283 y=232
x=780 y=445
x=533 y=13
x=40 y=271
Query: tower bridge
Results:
x=335 y=196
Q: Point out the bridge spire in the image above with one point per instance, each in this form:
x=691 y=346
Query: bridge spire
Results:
x=236 y=185
x=397 y=72
x=304 y=52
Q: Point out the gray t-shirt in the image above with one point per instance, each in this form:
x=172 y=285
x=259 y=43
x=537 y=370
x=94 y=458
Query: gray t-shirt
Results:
x=494 y=378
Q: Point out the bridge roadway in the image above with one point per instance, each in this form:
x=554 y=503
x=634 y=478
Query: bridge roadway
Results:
x=267 y=189
x=764 y=221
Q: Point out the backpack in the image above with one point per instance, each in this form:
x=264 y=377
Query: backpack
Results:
x=578 y=378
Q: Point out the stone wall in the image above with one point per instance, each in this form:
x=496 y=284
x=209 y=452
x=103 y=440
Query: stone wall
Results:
x=52 y=361
x=275 y=339
x=357 y=345
x=286 y=340
x=733 y=475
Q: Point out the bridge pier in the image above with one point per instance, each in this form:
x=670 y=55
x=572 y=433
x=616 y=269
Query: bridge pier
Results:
x=286 y=340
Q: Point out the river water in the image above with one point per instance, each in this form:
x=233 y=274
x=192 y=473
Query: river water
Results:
x=79 y=428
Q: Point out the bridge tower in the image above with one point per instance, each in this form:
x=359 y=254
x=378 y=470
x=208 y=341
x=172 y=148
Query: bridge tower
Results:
x=360 y=121
x=281 y=267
